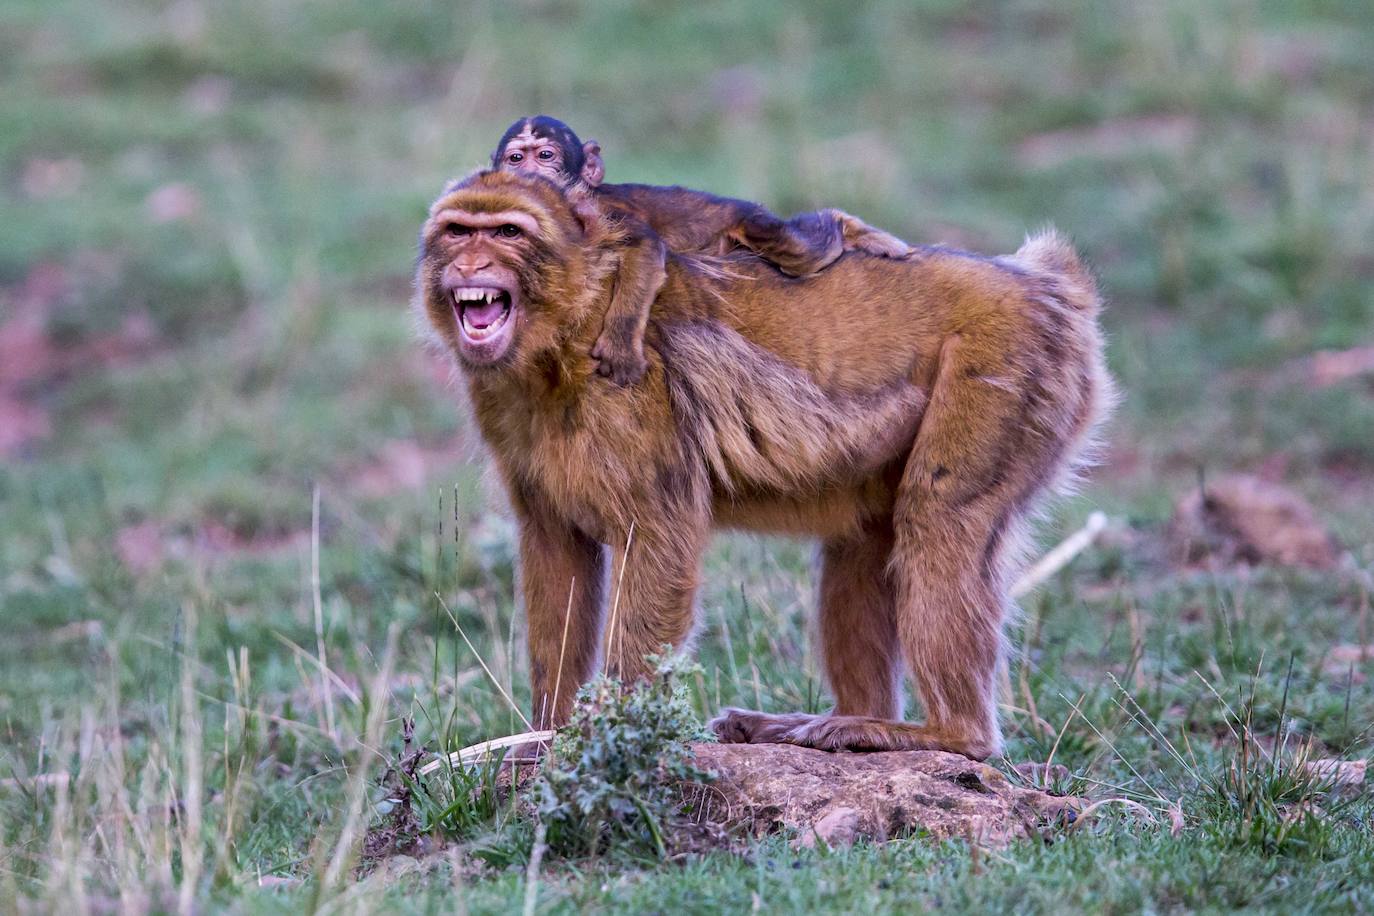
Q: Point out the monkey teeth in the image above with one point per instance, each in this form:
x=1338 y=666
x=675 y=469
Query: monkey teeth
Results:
x=482 y=311
x=475 y=293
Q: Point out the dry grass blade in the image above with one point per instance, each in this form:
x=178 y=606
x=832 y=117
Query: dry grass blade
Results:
x=504 y=695
x=344 y=852
x=1123 y=802
x=319 y=613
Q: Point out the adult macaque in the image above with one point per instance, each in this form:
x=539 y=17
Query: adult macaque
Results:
x=907 y=413
x=656 y=218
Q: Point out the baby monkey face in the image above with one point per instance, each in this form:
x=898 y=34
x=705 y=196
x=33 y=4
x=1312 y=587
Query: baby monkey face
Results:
x=532 y=154
x=547 y=147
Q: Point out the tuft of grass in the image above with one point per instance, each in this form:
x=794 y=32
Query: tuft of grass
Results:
x=1273 y=801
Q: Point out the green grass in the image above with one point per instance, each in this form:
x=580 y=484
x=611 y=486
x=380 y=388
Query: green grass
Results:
x=211 y=353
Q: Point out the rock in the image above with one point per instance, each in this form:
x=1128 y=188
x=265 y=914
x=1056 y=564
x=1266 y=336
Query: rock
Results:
x=1243 y=519
x=837 y=798
x=1337 y=772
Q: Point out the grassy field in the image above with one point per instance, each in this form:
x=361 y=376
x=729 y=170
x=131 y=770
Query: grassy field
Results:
x=209 y=222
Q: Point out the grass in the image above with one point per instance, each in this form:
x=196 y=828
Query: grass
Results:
x=209 y=223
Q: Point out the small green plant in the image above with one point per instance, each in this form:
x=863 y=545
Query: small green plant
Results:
x=614 y=778
x=459 y=803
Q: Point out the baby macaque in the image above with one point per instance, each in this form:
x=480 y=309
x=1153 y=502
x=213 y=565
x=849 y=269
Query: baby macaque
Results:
x=659 y=218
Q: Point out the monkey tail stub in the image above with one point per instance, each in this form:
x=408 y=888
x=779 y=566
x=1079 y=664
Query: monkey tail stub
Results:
x=1049 y=252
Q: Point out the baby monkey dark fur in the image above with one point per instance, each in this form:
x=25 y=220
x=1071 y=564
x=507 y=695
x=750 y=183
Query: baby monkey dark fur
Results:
x=656 y=219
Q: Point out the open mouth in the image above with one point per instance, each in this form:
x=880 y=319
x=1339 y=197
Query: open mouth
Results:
x=482 y=311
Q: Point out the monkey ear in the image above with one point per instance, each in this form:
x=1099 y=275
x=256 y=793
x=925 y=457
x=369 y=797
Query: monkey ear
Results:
x=593 y=169
x=587 y=212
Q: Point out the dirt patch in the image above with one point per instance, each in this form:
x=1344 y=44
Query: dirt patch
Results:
x=1244 y=519
x=1332 y=367
x=833 y=799
x=31 y=361
x=145 y=546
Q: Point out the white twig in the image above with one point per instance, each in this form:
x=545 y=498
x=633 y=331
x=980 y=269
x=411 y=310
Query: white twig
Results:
x=1061 y=555
x=1123 y=802
x=483 y=750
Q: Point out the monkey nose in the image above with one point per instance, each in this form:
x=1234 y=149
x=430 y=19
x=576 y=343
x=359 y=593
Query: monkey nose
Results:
x=466 y=267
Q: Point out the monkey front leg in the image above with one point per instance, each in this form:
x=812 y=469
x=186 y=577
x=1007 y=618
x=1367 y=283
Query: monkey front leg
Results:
x=653 y=587
x=563 y=582
x=620 y=347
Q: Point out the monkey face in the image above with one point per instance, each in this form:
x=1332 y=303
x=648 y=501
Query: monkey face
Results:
x=547 y=147
x=501 y=270
x=483 y=292
x=534 y=154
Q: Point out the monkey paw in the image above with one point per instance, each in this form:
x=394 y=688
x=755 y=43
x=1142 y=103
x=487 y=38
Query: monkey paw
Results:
x=744 y=726
x=620 y=363
x=881 y=244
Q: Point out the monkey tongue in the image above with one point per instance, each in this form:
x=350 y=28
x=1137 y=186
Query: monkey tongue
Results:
x=481 y=317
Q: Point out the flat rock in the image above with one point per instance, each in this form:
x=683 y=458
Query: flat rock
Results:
x=838 y=798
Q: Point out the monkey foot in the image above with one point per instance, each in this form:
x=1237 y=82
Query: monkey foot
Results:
x=744 y=726
x=843 y=733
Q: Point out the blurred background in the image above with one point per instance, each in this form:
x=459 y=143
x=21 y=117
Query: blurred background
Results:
x=209 y=222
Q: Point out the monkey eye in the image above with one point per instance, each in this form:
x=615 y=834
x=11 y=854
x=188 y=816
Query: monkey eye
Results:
x=509 y=231
x=546 y=154
x=457 y=230
x=515 y=157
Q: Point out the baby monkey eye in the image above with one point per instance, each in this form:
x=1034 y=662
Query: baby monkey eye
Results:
x=515 y=157
x=546 y=154
x=509 y=232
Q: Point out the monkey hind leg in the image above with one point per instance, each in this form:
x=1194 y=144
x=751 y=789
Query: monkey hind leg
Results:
x=982 y=451
x=858 y=625
x=810 y=242
x=799 y=247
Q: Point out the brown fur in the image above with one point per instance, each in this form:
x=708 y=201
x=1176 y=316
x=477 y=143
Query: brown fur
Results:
x=906 y=413
x=654 y=219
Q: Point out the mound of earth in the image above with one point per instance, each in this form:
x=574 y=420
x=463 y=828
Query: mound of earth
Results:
x=1243 y=519
x=838 y=798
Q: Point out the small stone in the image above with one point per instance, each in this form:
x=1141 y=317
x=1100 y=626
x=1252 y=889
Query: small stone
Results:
x=1337 y=772
x=838 y=827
